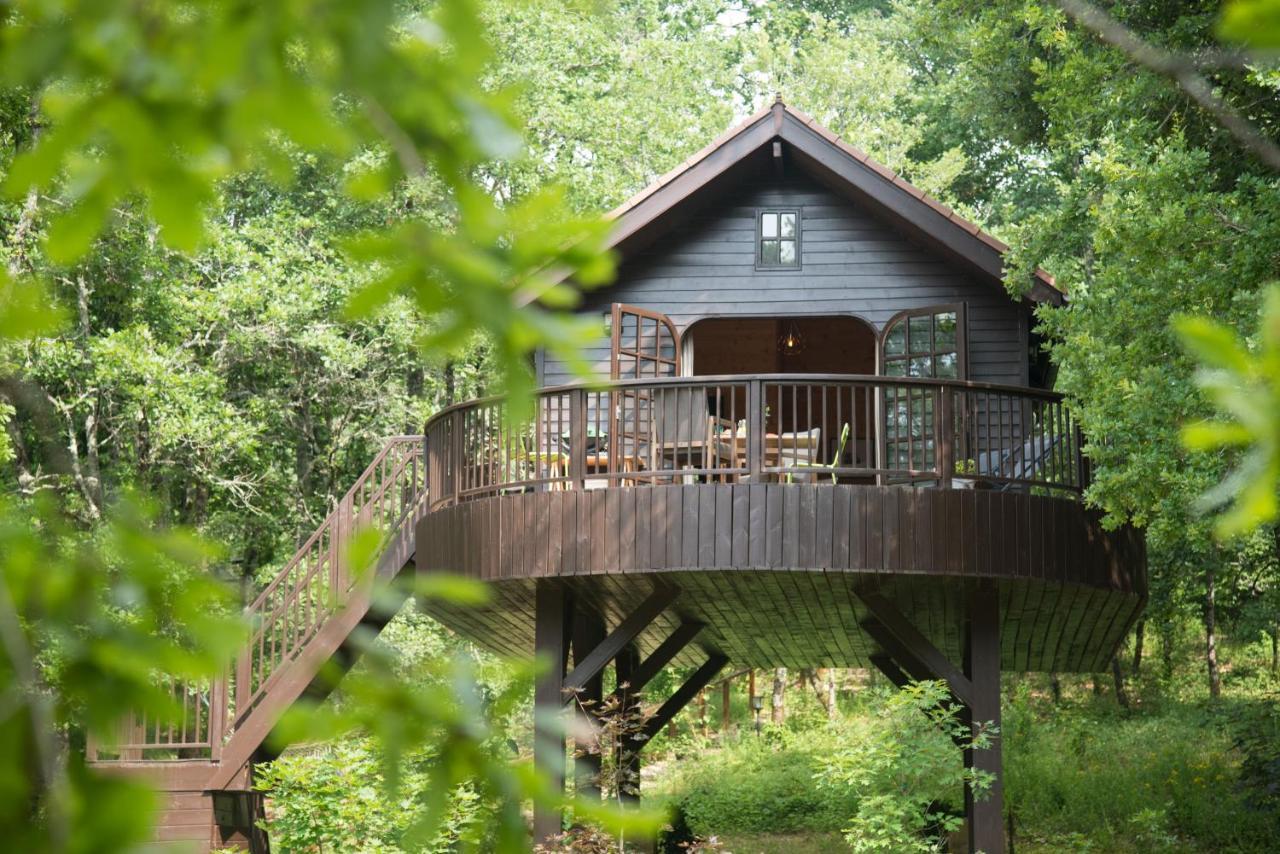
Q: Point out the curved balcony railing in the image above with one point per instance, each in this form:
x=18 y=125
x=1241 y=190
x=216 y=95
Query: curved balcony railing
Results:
x=794 y=428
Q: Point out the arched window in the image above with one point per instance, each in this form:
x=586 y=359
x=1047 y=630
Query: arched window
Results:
x=926 y=342
x=922 y=342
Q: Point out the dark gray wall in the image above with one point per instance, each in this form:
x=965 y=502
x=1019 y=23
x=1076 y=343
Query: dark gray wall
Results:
x=852 y=263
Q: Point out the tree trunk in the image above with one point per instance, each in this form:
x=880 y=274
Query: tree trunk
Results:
x=1117 y=675
x=1166 y=648
x=778 y=711
x=1097 y=686
x=414 y=384
x=27 y=480
x=1275 y=651
x=1210 y=634
x=1139 y=632
x=726 y=688
x=450 y=383
x=829 y=687
x=1055 y=687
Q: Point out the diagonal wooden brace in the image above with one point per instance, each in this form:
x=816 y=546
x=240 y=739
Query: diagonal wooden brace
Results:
x=883 y=662
x=626 y=632
x=911 y=650
x=686 y=692
x=662 y=656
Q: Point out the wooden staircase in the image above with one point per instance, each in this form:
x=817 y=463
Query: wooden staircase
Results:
x=202 y=762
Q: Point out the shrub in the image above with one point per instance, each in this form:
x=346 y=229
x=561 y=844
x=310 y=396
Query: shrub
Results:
x=900 y=764
x=1166 y=782
x=884 y=776
x=332 y=799
x=759 y=785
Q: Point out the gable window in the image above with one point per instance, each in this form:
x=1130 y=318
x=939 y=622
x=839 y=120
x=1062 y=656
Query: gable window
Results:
x=778 y=239
x=926 y=342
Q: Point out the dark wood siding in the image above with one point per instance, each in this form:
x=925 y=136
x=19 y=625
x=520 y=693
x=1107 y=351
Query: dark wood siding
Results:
x=780 y=562
x=852 y=263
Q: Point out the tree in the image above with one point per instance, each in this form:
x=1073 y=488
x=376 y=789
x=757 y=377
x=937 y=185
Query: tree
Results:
x=144 y=127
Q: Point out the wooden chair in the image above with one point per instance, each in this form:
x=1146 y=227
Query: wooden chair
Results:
x=720 y=446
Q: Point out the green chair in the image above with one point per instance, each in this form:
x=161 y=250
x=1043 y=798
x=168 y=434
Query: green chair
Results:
x=835 y=460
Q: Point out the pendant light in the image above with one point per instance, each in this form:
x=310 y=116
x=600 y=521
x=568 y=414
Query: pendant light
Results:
x=789 y=342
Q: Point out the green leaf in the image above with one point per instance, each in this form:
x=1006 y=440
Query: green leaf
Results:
x=26 y=310
x=1211 y=435
x=1253 y=23
x=176 y=202
x=1213 y=343
x=448 y=587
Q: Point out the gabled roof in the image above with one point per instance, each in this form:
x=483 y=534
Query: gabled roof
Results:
x=839 y=165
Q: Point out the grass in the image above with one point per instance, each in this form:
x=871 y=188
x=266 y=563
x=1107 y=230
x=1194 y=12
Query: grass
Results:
x=782 y=843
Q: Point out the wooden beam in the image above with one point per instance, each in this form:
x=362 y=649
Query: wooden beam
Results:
x=627 y=758
x=896 y=652
x=662 y=656
x=626 y=632
x=885 y=664
x=912 y=651
x=550 y=615
x=982 y=666
x=588 y=631
x=686 y=692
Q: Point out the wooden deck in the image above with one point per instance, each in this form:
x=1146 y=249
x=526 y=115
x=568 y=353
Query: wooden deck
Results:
x=738 y=492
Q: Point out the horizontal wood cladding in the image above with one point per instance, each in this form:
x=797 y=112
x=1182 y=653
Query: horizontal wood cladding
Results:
x=895 y=529
x=852 y=263
x=771 y=568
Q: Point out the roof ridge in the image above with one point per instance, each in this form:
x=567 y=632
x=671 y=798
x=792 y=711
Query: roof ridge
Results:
x=668 y=176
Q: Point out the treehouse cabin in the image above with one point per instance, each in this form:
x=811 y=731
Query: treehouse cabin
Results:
x=827 y=438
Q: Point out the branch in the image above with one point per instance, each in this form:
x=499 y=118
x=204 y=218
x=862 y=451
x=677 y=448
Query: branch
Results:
x=51 y=770
x=1182 y=70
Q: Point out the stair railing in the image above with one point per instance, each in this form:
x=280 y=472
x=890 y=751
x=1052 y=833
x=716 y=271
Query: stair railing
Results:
x=315 y=584
x=317 y=581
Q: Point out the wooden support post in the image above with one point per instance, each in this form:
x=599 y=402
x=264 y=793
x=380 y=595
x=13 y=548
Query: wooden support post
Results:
x=578 y=439
x=946 y=436
x=628 y=754
x=982 y=667
x=588 y=631
x=551 y=615
x=755 y=430
x=906 y=652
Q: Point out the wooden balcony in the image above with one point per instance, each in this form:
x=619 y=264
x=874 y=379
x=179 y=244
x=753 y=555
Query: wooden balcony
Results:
x=783 y=428
x=771 y=502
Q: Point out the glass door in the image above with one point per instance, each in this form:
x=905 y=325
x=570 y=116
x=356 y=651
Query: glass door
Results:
x=924 y=342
